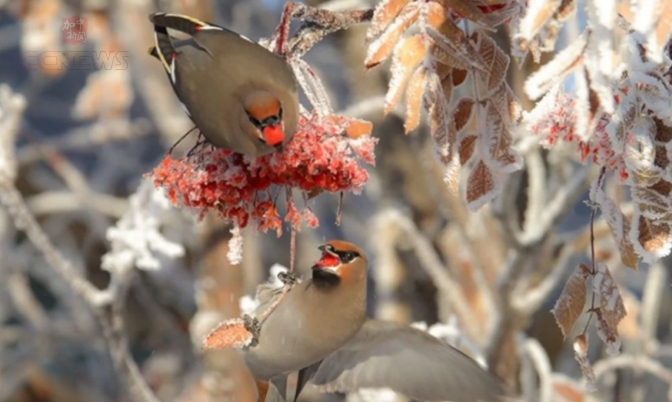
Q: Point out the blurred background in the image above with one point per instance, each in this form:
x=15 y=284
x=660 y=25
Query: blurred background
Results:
x=84 y=137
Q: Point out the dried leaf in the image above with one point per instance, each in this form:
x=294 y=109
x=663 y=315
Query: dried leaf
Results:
x=569 y=306
x=408 y=54
x=463 y=112
x=383 y=46
x=357 y=128
x=619 y=225
x=229 y=334
x=459 y=76
x=447 y=56
x=580 y=346
x=480 y=186
x=443 y=24
x=496 y=138
x=496 y=61
x=466 y=9
x=467 y=146
x=414 y=94
x=611 y=310
x=385 y=12
x=651 y=238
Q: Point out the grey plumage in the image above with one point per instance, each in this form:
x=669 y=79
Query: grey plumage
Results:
x=214 y=71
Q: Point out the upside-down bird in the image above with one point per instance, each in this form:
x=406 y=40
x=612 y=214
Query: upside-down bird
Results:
x=321 y=330
x=241 y=96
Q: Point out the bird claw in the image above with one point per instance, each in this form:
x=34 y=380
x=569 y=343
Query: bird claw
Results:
x=288 y=278
x=253 y=325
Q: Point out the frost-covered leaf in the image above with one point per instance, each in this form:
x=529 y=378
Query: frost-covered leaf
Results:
x=383 y=46
x=580 y=346
x=465 y=8
x=496 y=62
x=569 y=306
x=459 y=76
x=618 y=223
x=229 y=334
x=622 y=121
x=651 y=237
x=386 y=11
x=414 y=95
x=481 y=186
x=496 y=141
x=611 y=310
x=462 y=113
x=466 y=149
x=408 y=54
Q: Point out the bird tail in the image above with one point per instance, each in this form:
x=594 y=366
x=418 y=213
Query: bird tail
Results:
x=182 y=23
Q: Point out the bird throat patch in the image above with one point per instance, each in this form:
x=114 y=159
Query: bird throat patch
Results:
x=273 y=135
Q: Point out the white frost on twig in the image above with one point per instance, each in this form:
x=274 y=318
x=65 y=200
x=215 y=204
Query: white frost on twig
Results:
x=136 y=239
x=12 y=106
x=235 y=254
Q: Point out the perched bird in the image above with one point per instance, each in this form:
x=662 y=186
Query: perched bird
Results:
x=241 y=96
x=320 y=329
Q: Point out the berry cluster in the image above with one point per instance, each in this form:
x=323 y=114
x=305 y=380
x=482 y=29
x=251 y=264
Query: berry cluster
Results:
x=322 y=156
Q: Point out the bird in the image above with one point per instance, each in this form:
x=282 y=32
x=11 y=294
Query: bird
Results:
x=241 y=96
x=321 y=330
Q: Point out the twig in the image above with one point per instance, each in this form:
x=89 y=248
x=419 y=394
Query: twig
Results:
x=83 y=138
x=640 y=362
x=430 y=261
x=538 y=357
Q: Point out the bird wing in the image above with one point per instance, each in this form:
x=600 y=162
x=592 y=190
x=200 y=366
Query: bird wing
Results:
x=408 y=361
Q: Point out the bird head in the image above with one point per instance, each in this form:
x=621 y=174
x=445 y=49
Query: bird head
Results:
x=264 y=111
x=340 y=261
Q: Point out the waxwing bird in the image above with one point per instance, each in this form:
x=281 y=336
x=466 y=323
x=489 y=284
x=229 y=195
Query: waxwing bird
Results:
x=241 y=96
x=318 y=315
x=320 y=329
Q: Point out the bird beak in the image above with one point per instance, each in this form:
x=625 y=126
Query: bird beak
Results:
x=330 y=260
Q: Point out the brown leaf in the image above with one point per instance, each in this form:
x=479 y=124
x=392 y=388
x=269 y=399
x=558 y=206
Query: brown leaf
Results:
x=459 y=76
x=580 y=346
x=354 y=128
x=383 y=46
x=408 y=54
x=466 y=9
x=496 y=62
x=229 y=334
x=357 y=128
x=463 y=112
x=386 y=11
x=663 y=132
x=467 y=146
x=444 y=24
x=569 y=306
x=611 y=310
x=480 y=186
x=653 y=235
x=619 y=225
x=414 y=93
x=447 y=55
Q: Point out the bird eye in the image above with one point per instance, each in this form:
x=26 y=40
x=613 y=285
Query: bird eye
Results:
x=347 y=256
x=254 y=121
